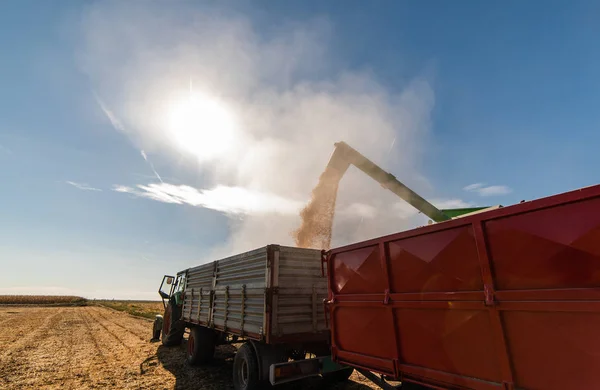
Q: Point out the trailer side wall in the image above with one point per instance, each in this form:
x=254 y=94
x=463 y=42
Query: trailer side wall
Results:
x=298 y=301
x=273 y=293
x=508 y=298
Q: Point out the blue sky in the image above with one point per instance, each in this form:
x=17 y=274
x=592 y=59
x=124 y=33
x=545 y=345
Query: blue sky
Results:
x=500 y=99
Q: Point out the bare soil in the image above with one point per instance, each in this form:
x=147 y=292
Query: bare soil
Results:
x=95 y=348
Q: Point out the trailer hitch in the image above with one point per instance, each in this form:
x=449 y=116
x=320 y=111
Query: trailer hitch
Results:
x=324 y=259
x=326 y=304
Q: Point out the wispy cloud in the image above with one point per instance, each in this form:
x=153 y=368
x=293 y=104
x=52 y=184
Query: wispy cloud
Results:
x=82 y=186
x=474 y=187
x=116 y=123
x=229 y=200
x=124 y=189
x=145 y=156
x=484 y=190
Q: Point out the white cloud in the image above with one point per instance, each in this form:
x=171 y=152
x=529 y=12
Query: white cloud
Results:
x=359 y=210
x=405 y=210
x=474 y=186
x=83 y=186
x=483 y=190
x=494 y=190
x=119 y=188
x=229 y=200
x=451 y=203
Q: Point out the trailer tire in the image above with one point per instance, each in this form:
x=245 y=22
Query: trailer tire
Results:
x=245 y=369
x=338 y=376
x=201 y=345
x=173 y=328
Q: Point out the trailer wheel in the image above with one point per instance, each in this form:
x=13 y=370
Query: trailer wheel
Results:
x=338 y=376
x=201 y=345
x=245 y=369
x=173 y=328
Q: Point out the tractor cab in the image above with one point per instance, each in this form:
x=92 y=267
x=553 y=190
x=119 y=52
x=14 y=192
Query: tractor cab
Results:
x=172 y=288
x=171 y=291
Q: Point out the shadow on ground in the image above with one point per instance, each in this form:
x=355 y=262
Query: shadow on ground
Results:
x=218 y=374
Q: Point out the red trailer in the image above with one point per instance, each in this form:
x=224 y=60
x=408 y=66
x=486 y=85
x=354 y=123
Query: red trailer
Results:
x=502 y=299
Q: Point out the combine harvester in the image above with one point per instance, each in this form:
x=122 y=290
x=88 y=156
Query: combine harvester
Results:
x=500 y=298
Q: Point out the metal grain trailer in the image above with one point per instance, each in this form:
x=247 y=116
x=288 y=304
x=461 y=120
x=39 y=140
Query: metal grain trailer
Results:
x=271 y=298
x=502 y=299
x=485 y=298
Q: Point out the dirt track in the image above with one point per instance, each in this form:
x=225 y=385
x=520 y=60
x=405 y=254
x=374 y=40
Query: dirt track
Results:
x=94 y=347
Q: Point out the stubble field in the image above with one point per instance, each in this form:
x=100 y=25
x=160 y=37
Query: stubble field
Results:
x=94 y=347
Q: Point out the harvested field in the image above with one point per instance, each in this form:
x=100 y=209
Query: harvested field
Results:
x=95 y=347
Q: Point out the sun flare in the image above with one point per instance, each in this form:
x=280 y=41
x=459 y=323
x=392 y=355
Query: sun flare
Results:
x=201 y=126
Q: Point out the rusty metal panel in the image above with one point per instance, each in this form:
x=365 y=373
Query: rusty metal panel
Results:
x=508 y=298
x=300 y=291
x=197 y=301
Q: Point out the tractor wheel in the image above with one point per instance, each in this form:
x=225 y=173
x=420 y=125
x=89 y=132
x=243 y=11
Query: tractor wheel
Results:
x=157 y=327
x=338 y=376
x=173 y=328
x=200 y=345
x=245 y=369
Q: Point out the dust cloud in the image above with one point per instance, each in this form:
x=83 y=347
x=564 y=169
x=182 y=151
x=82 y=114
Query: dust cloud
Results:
x=293 y=99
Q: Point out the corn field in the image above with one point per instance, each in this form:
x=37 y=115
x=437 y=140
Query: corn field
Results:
x=41 y=300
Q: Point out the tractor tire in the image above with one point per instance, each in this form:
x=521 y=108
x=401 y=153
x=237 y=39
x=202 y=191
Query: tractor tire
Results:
x=338 y=376
x=157 y=328
x=245 y=369
x=173 y=328
x=201 y=345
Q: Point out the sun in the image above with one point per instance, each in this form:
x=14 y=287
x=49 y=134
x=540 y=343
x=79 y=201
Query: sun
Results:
x=202 y=126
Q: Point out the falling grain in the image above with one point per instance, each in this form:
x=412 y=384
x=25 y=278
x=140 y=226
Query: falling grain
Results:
x=317 y=216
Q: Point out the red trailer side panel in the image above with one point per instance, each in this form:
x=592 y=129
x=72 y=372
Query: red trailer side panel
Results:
x=504 y=299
